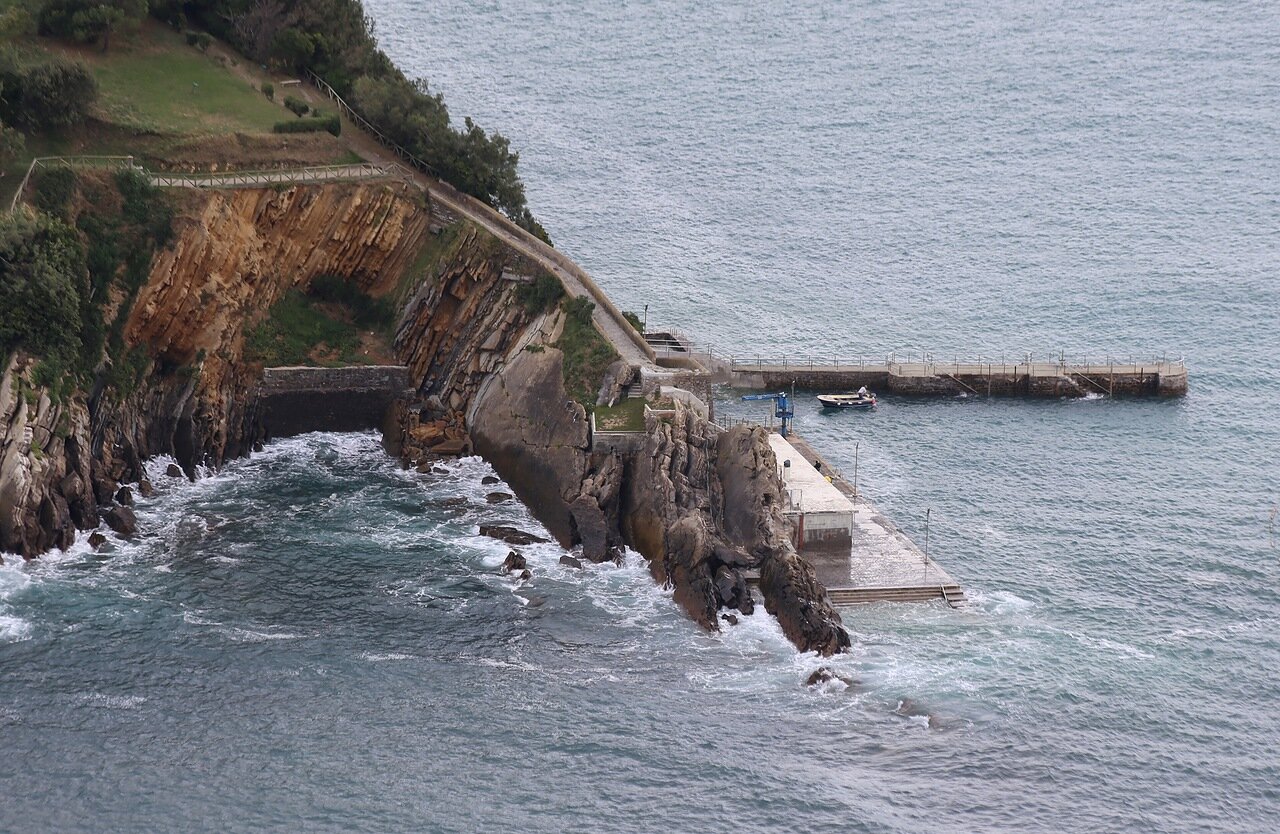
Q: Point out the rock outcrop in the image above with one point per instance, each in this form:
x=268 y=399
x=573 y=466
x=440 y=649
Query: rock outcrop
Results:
x=702 y=505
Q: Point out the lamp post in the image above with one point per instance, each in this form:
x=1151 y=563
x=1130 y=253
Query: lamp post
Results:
x=855 y=469
x=644 y=325
x=926 y=542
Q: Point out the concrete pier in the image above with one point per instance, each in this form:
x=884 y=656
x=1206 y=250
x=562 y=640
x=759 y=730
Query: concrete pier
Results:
x=1053 y=377
x=880 y=563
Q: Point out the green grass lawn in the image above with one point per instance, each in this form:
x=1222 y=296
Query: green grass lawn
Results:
x=627 y=415
x=155 y=82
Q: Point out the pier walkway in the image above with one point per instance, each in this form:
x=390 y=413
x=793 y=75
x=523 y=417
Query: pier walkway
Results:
x=1055 y=376
x=879 y=563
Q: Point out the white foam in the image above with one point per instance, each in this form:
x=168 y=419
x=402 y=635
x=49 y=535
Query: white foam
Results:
x=375 y=657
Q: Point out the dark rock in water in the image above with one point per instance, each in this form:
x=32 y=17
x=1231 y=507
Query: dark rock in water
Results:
x=456 y=501
x=173 y=471
x=490 y=479
x=525 y=575
x=571 y=562
x=97 y=540
x=535 y=602
x=731 y=619
x=908 y=708
x=732 y=590
x=510 y=535
x=439 y=470
x=514 y=562
x=145 y=489
x=498 y=497
x=592 y=527
x=104 y=489
x=122 y=520
x=824 y=675
x=124 y=497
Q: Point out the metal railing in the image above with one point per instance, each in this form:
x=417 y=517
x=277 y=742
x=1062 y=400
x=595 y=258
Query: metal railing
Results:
x=678 y=347
x=122 y=162
x=368 y=127
x=221 y=179
x=233 y=179
x=558 y=261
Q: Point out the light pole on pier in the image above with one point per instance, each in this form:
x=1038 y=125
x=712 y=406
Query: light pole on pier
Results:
x=855 y=469
x=926 y=541
x=645 y=324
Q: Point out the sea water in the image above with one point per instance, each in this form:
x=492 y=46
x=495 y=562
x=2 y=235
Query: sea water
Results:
x=314 y=639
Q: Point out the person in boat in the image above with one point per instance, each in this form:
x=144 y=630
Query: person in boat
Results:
x=862 y=392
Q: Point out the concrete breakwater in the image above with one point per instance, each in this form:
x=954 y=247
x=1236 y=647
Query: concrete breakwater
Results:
x=1052 y=377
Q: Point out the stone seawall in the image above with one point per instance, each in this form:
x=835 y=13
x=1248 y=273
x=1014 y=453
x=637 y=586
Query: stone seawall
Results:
x=297 y=400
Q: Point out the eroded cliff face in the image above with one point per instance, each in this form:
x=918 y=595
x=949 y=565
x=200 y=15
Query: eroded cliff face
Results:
x=234 y=253
x=702 y=505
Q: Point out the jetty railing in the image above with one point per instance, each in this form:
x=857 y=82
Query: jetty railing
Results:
x=1061 y=362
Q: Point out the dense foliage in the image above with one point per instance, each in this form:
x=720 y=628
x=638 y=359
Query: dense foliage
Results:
x=90 y=21
x=334 y=39
x=45 y=305
x=48 y=95
x=586 y=353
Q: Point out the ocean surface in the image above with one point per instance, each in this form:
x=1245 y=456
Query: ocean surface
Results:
x=313 y=639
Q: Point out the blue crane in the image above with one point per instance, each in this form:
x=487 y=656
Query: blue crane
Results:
x=783 y=411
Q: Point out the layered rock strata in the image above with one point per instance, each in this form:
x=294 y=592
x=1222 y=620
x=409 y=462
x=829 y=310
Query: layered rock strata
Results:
x=703 y=506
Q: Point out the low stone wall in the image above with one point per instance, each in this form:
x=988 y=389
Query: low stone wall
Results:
x=293 y=401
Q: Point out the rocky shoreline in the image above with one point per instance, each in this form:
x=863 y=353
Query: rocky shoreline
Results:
x=703 y=505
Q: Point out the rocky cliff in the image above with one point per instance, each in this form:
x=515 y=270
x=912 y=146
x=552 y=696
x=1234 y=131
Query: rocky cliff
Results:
x=233 y=254
x=485 y=376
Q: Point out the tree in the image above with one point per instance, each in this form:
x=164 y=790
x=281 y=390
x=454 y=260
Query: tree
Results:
x=52 y=95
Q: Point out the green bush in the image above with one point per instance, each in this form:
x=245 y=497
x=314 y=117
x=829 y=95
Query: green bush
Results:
x=54 y=189
x=540 y=294
x=297 y=105
x=332 y=124
x=90 y=21
x=51 y=95
x=199 y=40
x=42 y=287
x=269 y=90
x=366 y=311
x=633 y=320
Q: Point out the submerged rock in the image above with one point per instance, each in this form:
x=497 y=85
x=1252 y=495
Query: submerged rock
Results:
x=570 y=561
x=145 y=489
x=510 y=535
x=173 y=471
x=97 y=540
x=731 y=619
x=489 y=480
x=122 y=520
x=514 y=562
x=124 y=497
x=525 y=575
x=498 y=497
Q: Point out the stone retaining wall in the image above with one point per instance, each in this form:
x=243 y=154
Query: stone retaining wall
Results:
x=297 y=400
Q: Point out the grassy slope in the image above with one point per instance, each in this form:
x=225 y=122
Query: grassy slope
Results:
x=159 y=84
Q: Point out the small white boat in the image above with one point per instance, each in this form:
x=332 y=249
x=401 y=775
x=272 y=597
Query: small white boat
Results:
x=859 y=400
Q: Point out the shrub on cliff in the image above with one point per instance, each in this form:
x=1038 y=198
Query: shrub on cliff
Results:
x=540 y=294
x=43 y=288
x=332 y=124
